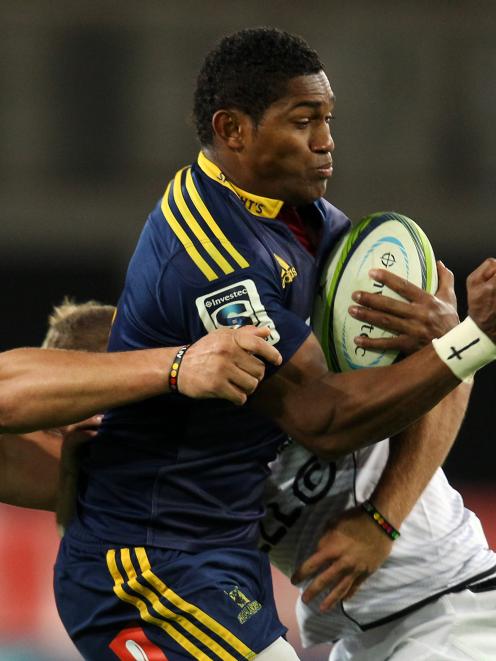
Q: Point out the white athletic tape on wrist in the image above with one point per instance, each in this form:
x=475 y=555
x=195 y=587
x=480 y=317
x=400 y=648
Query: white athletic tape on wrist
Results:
x=465 y=349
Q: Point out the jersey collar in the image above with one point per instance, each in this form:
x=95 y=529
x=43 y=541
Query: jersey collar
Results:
x=263 y=207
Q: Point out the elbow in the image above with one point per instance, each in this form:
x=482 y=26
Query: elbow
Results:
x=332 y=432
x=327 y=446
x=331 y=441
x=316 y=433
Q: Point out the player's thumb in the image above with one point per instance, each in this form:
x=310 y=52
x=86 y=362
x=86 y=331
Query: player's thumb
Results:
x=446 y=280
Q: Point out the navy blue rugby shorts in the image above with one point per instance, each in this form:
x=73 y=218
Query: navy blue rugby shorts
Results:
x=155 y=604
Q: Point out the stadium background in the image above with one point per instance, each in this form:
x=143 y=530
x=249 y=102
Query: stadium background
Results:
x=94 y=118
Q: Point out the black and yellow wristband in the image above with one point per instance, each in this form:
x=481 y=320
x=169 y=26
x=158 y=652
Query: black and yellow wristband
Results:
x=174 y=370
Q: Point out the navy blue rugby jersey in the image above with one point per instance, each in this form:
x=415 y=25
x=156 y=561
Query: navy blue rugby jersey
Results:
x=189 y=474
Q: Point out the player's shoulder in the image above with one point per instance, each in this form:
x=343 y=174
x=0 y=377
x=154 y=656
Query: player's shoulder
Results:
x=202 y=237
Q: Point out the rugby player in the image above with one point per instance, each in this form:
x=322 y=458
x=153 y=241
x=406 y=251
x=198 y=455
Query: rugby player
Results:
x=24 y=457
x=428 y=594
x=162 y=555
x=353 y=545
x=42 y=388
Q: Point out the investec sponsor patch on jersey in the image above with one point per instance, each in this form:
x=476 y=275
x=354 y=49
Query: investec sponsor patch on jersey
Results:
x=237 y=305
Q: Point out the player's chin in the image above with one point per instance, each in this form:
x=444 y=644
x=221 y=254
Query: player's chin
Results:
x=314 y=190
x=305 y=191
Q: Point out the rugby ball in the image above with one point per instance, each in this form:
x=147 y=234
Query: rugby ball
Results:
x=385 y=240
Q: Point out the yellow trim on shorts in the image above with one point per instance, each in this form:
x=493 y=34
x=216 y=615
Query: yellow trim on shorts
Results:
x=158 y=607
x=146 y=615
x=183 y=237
x=214 y=227
x=206 y=620
x=194 y=226
x=168 y=618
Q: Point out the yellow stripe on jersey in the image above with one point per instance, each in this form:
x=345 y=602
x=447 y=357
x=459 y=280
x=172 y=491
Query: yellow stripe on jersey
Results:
x=159 y=608
x=204 y=267
x=193 y=225
x=207 y=217
x=205 y=619
x=138 y=603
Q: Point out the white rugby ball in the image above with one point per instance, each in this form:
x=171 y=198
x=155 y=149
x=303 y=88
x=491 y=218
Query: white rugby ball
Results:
x=385 y=240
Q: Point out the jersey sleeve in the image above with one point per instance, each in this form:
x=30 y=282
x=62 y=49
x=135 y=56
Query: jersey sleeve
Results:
x=249 y=296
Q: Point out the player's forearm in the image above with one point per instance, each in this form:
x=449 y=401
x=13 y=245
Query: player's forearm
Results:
x=41 y=388
x=338 y=413
x=416 y=453
x=29 y=469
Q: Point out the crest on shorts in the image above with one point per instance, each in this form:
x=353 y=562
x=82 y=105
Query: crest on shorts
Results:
x=247 y=606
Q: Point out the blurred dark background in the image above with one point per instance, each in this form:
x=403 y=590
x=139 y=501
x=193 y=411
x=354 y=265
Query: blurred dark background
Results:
x=95 y=105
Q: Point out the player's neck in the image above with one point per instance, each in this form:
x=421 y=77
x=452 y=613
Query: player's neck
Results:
x=231 y=167
x=235 y=170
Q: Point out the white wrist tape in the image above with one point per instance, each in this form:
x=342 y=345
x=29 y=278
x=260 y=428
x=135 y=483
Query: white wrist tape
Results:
x=465 y=349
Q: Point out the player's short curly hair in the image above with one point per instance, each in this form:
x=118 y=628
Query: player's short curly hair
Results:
x=249 y=70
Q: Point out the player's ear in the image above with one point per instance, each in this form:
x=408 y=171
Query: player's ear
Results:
x=230 y=127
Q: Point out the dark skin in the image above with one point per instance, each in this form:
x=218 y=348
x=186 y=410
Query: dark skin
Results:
x=353 y=547
x=287 y=156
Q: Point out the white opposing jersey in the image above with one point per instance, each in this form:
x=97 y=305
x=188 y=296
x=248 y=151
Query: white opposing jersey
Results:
x=442 y=544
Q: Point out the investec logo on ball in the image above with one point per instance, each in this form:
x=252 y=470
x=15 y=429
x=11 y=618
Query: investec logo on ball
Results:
x=233 y=306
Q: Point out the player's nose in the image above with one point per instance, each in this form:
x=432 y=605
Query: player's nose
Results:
x=322 y=140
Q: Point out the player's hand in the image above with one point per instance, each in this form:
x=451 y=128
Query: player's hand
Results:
x=481 y=293
x=74 y=437
x=352 y=549
x=227 y=363
x=415 y=321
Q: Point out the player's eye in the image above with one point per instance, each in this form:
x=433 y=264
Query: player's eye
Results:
x=330 y=119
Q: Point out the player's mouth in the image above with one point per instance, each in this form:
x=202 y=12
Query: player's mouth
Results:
x=325 y=170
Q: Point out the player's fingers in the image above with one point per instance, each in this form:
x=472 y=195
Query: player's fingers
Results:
x=446 y=277
x=446 y=283
x=483 y=272
x=332 y=576
x=379 y=319
x=224 y=383
x=80 y=436
x=93 y=422
x=252 y=339
x=401 y=286
x=310 y=566
x=382 y=303
x=242 y=380
x=232 y=393
x=251 y=365
x=339 y=592
x=394 y=343
x=254 y=331
x=490 y=270
x=354 y=587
